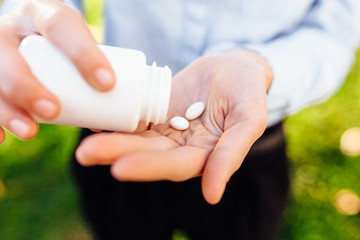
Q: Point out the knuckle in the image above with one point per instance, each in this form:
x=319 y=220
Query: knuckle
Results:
x=54 y=19
x=76 y=13
x=77 y=54
x=27 y=7
x=59 y=14
x=17 y=92
x=7 y=111
x=9 y=89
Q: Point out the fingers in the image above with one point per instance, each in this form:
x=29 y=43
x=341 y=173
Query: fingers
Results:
x=178 y=164
x=21 y=93
x=228 y=156
x=66 y=29
x=105 y=148
x=18 y=86
x=16 y=121
x=137 y=158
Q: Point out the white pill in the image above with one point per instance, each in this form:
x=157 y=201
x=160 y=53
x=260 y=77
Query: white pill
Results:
x=179 y=123
x=195 y=110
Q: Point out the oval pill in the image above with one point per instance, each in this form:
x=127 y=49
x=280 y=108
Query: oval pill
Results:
x=179 y=123
x=195 y=110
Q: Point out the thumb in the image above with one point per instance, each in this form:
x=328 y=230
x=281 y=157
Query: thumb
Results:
x=228 y=155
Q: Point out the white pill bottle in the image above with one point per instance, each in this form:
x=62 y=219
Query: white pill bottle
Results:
x=141 y=92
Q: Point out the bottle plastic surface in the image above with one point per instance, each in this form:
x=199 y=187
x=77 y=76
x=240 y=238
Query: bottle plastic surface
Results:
x=141 y=92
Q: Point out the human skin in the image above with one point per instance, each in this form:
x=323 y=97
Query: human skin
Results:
x=21 y=95
x=233 y=86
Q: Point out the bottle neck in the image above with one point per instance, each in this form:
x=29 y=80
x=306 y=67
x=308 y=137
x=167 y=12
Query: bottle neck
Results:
x=156 y=96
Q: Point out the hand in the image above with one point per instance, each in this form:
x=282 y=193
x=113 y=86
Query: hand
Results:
x=234 y=87
x=21 y=95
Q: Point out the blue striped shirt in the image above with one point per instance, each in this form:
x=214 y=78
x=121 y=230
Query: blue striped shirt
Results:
x=310 y=44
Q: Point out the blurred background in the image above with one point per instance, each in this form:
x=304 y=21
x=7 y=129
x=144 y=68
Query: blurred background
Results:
x=38 y=200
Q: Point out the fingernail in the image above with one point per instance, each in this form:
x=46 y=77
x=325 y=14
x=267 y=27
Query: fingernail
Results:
x=45 y=108
x=19 y=128
x=104 y=78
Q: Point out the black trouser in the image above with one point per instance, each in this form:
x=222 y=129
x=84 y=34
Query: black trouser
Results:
x=251 y=208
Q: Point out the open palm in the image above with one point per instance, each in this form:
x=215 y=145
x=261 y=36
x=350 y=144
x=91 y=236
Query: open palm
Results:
x=233 y=87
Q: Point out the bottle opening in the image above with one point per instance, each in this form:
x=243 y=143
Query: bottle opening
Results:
x=156 y=94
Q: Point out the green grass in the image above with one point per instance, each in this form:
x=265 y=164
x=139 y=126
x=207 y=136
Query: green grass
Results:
x=319 y=169
x=38 y=199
